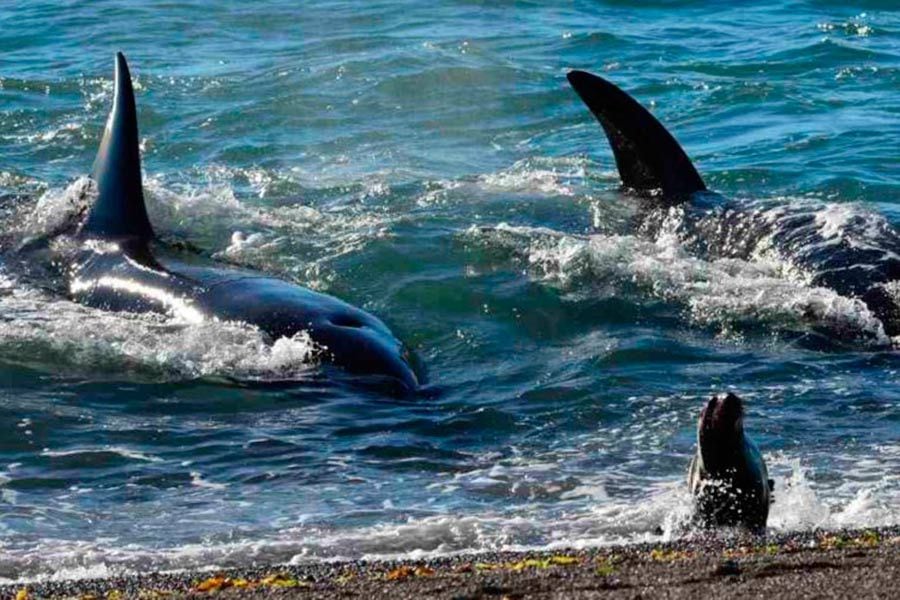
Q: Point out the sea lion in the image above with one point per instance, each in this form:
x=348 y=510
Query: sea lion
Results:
x=728 y=476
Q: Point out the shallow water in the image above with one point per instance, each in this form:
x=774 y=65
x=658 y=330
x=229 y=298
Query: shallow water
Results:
x=429 y=163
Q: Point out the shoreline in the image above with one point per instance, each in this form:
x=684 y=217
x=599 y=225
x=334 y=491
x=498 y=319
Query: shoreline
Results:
x=806 y=564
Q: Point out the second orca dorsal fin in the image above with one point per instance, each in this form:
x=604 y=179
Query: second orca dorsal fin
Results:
x=119 y=210
x=647 y=156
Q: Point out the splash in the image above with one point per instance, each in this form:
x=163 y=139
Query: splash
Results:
x=58 y=211
x=298 y=241
x=724 y=292
x=538 y=175
x=56 y=334
x=799 y=507
x=659 y=514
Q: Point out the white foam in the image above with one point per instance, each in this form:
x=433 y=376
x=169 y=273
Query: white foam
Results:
x=559 y=176
x=796 y=507
x=268 y=236
x=53 y=331
x=19 y=181
x=719 y=292
x=58 y=210
x=197 y=480
x=57 y=134
x=123 y=452
x=800 y=506
x=542 y=518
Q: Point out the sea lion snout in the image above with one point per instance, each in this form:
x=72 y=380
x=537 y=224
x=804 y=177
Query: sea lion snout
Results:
x=723 y=417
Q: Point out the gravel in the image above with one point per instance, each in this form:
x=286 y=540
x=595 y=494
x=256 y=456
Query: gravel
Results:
x=815 y=564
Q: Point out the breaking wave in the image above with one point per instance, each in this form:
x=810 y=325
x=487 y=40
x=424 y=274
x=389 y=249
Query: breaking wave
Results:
x=724 y=292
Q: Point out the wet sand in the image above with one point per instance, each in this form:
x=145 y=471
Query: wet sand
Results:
x=836 y=564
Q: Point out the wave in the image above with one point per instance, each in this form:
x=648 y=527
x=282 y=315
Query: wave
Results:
x=661 y=514
x=724 y=293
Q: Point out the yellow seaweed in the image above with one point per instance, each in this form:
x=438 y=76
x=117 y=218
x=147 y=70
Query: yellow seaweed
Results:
x=282 y=580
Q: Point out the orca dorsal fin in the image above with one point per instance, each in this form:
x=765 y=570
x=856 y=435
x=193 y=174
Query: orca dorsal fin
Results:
x=119 y=210
x=647 y=156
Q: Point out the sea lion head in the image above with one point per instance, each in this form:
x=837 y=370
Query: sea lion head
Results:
x=720 y=430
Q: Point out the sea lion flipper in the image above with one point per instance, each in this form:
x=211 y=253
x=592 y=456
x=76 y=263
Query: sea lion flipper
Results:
x=119 y=210
x=647 y=156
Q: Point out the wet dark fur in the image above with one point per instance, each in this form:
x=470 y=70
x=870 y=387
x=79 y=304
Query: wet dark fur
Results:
x=728 y=477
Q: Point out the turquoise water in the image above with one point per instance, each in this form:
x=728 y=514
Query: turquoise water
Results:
x=429 y=163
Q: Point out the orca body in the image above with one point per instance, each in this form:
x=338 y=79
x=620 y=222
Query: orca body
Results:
x=727 y=476
x=861 y=260
x=119 y=267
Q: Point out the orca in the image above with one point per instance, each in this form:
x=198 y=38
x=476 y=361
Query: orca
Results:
x=120 y=265
x=860 y=259
x=728 y=476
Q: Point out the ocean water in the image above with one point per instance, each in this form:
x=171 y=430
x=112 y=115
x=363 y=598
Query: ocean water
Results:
x=428 y=162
